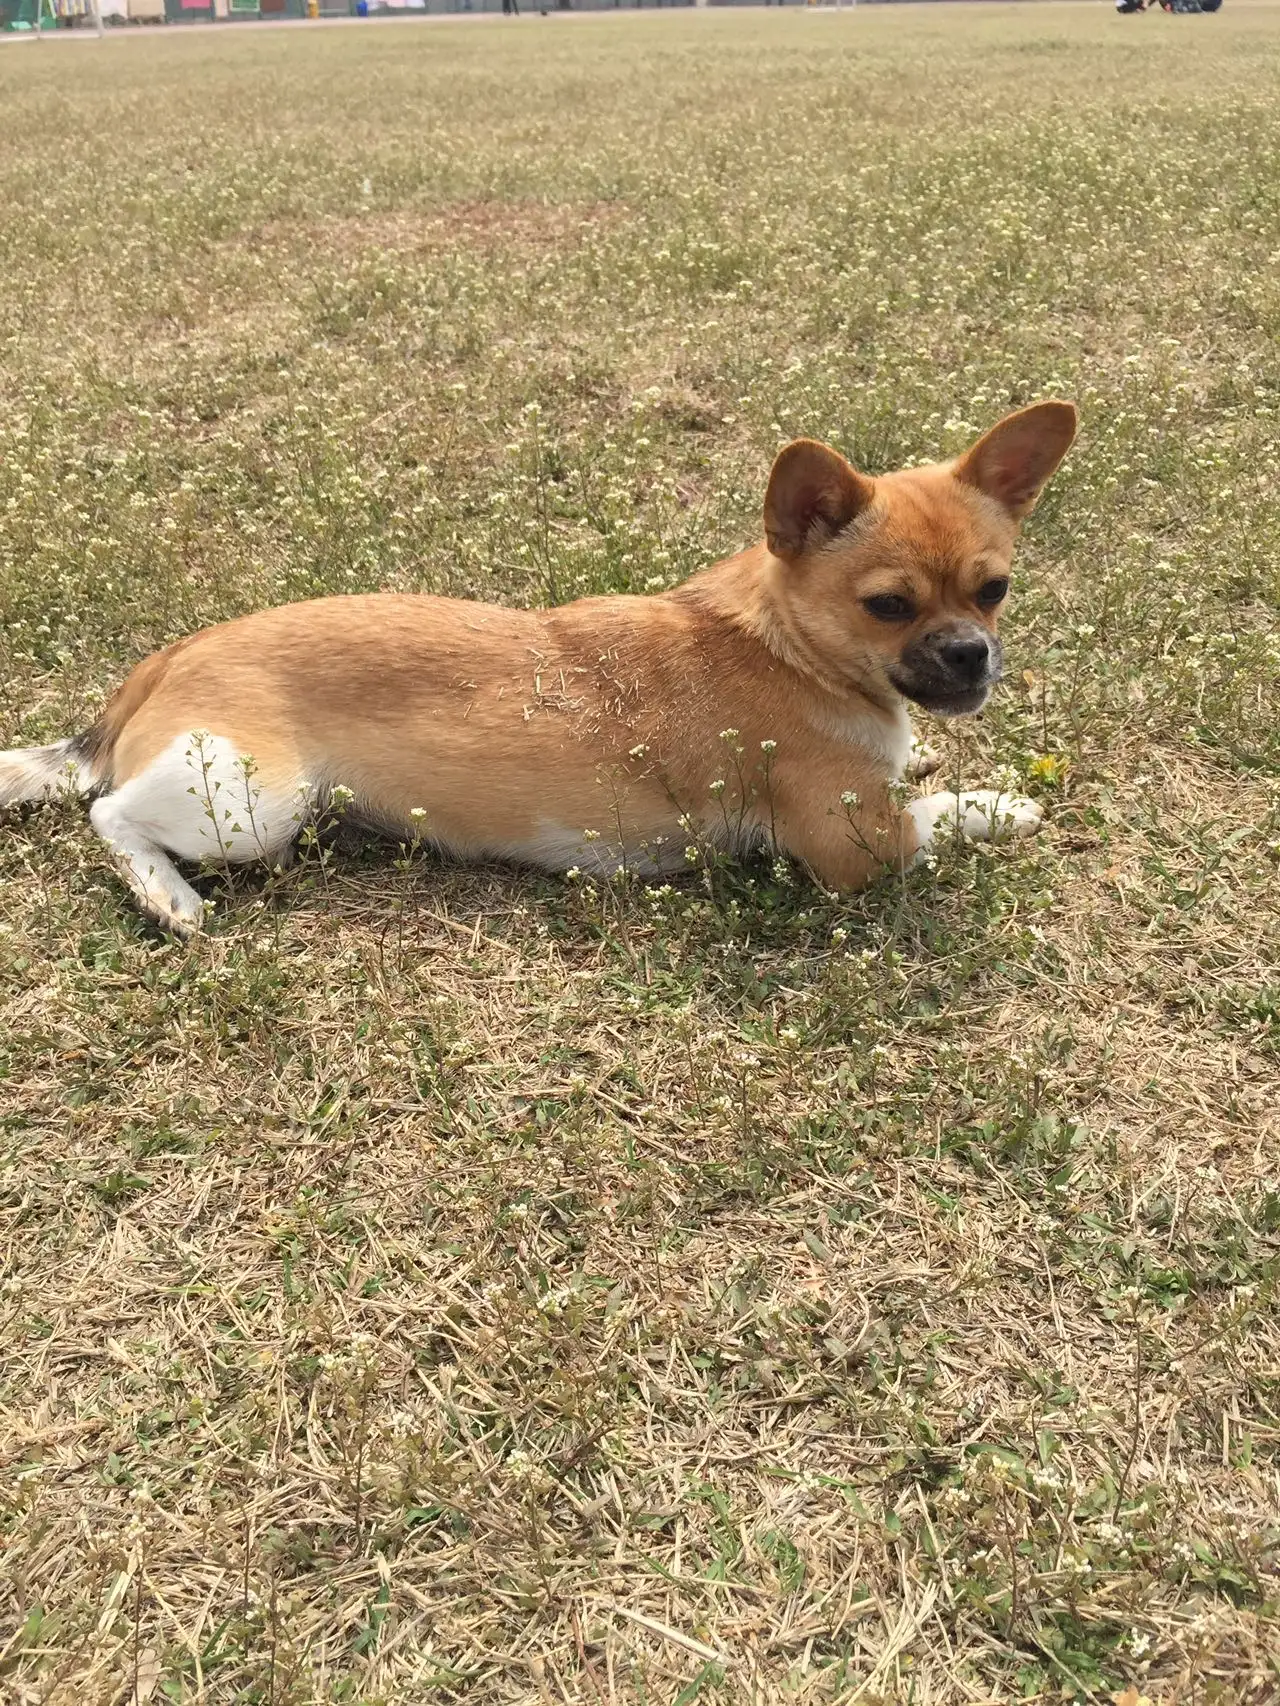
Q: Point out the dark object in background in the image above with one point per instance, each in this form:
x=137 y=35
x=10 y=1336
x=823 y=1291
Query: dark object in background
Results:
x=1124 y=6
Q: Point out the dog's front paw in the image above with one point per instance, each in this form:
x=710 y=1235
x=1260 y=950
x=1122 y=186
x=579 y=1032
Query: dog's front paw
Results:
x=922 y=762
x=990 y=816
x=984 y=815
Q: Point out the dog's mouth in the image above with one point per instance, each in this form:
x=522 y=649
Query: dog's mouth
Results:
x=950 y=671
x=946 y=704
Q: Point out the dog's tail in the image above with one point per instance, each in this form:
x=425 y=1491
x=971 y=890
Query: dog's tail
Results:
x=32 y=773
x=85 y=763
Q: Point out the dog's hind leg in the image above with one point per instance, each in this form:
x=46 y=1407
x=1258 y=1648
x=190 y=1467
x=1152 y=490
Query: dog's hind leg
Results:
x=156 y=883
x=199 y=799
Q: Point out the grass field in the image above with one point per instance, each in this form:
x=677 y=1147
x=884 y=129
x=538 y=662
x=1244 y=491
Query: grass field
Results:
x=452 y=1285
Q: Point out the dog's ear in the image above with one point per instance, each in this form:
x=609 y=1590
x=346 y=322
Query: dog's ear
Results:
x=1012 y=462
x=813 y=493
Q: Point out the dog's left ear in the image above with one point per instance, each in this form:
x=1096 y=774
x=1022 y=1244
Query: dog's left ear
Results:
x=1012 y=462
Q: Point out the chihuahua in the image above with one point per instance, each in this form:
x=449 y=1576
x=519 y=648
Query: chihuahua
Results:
x=763 y=703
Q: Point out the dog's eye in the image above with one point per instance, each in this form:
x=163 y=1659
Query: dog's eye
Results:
x=991 y=592
x=890 y=607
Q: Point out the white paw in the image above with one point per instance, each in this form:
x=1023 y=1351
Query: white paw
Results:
x=990 y=816
x=984 y=815
x=177 y=914
x=922 y=762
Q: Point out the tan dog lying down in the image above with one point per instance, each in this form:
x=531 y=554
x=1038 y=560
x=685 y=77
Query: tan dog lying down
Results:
x=594 y=734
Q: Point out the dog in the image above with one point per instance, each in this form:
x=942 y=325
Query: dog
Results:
x=762 y=703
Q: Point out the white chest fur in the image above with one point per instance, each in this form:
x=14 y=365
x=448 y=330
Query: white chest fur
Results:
x=885 y=736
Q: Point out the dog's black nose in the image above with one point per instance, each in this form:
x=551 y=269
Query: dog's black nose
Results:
x=967 y=659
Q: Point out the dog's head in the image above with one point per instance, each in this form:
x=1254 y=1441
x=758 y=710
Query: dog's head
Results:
x=896 y=584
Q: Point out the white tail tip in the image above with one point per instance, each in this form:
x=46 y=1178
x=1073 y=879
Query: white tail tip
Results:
x=30 y=774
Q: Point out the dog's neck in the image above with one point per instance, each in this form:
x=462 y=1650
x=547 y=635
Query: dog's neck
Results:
x=749 y=591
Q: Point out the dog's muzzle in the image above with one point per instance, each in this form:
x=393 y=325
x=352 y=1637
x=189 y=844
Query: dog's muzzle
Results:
x=950 y=670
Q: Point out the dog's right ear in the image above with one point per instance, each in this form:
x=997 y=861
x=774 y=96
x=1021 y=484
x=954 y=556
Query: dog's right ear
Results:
x=813 y=493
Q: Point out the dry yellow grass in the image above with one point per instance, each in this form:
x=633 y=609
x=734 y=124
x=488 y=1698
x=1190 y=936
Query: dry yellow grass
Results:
x=437 y=1285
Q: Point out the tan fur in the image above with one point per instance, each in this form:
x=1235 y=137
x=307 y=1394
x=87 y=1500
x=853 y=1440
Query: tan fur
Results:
x=603 y=721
